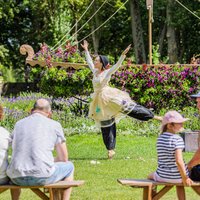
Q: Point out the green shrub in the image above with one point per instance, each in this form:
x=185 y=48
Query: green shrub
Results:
x=61 y=83
x=155 y=88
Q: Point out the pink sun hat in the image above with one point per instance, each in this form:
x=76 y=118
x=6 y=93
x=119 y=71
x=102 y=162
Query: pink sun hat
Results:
x=172 y=117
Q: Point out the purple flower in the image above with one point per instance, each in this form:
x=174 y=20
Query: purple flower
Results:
x=191 y=90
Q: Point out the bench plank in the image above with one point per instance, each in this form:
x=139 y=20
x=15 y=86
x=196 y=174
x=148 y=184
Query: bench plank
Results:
x=136 y=182
x=61 y=184
x=148 y=185
x=55 y=190
x=147 y=182
x=64 y=184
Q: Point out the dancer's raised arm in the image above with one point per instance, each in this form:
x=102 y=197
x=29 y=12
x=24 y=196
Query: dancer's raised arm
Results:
x=87 y=55
x=115 y=67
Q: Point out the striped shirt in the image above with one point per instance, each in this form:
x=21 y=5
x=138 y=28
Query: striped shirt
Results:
x=167 y=144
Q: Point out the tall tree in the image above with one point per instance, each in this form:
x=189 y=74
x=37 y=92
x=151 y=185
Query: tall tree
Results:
x=171 y=34
x=31 y=22
x=137 y=32
x=96 y=36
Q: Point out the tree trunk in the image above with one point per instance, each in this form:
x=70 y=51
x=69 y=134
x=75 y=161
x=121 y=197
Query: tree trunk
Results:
x=95 y=35
x=181 y=45
x=171 y=34
x=161 y=38
x=137 y=32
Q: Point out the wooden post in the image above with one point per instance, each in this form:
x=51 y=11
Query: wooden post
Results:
x=150 y=37
x=149 y=4
x=76 y=36
x=147 y=193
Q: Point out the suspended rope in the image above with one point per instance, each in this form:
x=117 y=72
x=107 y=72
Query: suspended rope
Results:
x=73 y=25
x=110 y=4
x=104 y=22
x=85 y=23
x=188 y=9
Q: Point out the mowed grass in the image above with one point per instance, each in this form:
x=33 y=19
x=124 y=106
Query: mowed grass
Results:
x=135 y=158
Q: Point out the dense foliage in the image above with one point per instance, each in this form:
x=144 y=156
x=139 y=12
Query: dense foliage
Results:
x=163 y=87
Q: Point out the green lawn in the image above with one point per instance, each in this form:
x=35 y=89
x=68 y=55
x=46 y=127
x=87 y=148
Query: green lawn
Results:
x=135 y=158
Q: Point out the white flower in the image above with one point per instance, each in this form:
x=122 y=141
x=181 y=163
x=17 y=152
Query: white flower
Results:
x=94 y=162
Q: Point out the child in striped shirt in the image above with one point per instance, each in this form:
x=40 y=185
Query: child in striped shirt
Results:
x=171 y=167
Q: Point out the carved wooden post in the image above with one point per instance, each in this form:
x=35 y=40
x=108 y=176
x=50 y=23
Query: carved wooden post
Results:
x=24 y=50
x=27 y=49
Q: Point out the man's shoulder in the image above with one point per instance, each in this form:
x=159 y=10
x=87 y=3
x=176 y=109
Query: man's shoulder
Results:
x=54 y=122
x=50 y=121
x=38 y=118
x=22 y=120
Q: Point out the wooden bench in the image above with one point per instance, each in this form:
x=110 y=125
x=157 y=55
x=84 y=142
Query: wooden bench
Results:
x=55 y=190
x=149 y=191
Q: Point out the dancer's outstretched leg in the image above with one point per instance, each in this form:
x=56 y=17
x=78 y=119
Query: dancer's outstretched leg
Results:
x=109 y=139
x=141 y=113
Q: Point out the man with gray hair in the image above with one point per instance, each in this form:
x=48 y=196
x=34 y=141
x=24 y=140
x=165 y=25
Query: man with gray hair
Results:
x=33 y=140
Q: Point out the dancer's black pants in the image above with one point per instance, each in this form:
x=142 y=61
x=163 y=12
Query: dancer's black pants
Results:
x=109 y=133
x=109 y=136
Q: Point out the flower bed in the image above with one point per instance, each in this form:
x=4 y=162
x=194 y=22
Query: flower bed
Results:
x=16 y=108
x=159 y=87
x=162 y=87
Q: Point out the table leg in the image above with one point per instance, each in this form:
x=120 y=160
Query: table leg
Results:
x=147 y=193
x=163 y=191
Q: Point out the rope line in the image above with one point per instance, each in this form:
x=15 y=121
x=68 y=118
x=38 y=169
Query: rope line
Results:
x=110 y=4
x=104 y=22
x=73 y=26
x=187 y=9
x=86 y=22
